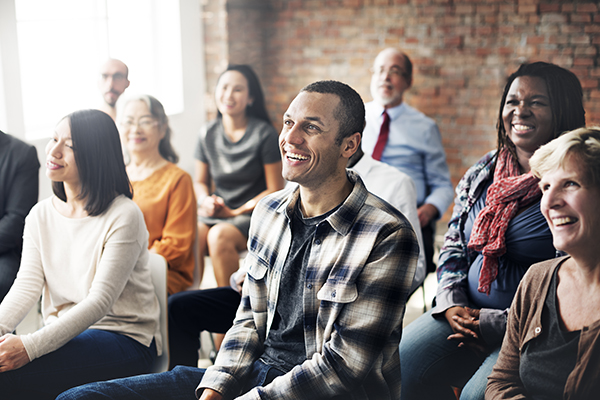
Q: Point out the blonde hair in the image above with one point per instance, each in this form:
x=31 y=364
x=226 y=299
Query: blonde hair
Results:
x=581 y=143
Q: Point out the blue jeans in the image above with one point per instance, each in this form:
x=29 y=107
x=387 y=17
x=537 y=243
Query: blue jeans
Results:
x=92 y=355
x=431 y=364
x=177 y=384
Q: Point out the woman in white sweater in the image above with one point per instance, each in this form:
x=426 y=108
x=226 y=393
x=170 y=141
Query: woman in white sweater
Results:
x=85 y=252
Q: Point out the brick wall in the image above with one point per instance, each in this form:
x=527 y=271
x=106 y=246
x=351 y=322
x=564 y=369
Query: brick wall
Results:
x=462 y=51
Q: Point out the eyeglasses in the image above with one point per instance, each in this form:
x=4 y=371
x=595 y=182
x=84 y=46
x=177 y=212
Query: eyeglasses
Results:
x=144 y=123
x=392 y=71
x=118 y=76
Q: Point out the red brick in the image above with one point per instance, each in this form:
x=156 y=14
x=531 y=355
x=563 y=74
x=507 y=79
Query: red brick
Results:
x=464 y=9
x=507 y=8
x=486 y=8
x=483 y=30
x=584 y=61
x=581 y=18
x=586 y=7
x=583 y=39
x=544 y=8
x=535 y=39
x=585 y=51
x=571 y=28
x=568 y=7
x=491 y=19
x=554 y=18
x=453 y=41
x=527 y=9
x=589 y=83
x=592 y=28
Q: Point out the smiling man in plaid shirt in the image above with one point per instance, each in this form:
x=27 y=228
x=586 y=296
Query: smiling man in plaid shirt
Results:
x=329 y=271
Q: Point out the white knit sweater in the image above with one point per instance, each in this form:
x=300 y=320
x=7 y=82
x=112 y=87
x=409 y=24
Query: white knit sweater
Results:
x=91 y=272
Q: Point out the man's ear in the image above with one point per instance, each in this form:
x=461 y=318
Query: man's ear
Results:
x=351 y=144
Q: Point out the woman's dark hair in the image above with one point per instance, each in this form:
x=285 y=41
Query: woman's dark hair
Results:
x=566 y=99
x=99 y=160
x=157 y=110
x=257 y=109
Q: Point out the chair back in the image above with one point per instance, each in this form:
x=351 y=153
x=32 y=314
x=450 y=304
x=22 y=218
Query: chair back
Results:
x=158 y=268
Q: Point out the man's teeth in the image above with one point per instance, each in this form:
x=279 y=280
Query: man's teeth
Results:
x=295 y=156
x=564 y=221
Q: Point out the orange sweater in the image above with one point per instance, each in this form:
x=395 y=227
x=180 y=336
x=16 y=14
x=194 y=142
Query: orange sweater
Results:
x=168 y=203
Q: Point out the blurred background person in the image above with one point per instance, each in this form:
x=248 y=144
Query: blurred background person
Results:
x=163 y=191
x=237 y=164
x=85 y=252
x=495 y=234
x=551 y=347
x=405 y=138
x=19 y=187
x=112 y=83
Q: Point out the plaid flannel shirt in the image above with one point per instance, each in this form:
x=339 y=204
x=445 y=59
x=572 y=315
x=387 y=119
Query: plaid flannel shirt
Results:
x=360 y=268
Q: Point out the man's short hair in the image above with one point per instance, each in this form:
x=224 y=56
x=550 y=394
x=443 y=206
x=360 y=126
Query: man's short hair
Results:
x=408 y=69
x=350 y=112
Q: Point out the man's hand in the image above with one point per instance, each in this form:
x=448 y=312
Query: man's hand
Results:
x=209 y=394
x=12 y=353
x=426 y=213
x=464 y=321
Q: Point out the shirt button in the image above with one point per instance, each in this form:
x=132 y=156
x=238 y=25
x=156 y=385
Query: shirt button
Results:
x=538 y=330
x=309 y=286
x=318 y=241
x=333 y=294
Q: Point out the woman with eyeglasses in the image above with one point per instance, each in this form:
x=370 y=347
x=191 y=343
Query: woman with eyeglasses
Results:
x=163 y=191
x=237 y=163
x=85 y=253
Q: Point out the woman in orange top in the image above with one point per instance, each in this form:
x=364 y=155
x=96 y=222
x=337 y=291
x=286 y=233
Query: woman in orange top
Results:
x=163 y=191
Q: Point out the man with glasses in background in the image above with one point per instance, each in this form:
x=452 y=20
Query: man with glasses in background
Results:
x=112 y=83
x=405 y=138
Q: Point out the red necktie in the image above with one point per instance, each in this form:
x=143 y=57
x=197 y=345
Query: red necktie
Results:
x=383 y=137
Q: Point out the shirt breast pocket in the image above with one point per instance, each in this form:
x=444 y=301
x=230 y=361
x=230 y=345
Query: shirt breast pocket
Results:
x=257 y=267
x=338 y=292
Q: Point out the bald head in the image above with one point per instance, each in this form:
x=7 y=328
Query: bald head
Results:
x=392 y=76
x=113 y=80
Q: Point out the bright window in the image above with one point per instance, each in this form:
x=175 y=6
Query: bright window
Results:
x=62 y=44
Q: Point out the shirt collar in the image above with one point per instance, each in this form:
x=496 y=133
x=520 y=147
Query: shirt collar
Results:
x=343 y=218
x=393 y=112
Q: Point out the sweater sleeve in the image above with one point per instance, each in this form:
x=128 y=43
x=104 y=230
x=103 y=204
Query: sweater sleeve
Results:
x=178 y=234
x=27 y=287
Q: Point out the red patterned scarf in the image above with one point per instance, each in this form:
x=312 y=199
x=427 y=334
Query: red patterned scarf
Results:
x=509 y=193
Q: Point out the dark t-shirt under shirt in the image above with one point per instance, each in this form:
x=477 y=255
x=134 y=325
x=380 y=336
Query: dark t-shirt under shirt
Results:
x=284 y=347
x=547 y=361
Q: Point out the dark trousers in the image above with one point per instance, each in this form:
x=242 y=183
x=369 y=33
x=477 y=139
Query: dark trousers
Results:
x=192 y=312
x=428 y=232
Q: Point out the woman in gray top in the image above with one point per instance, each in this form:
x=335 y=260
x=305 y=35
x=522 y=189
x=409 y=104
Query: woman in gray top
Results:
x=237 y=156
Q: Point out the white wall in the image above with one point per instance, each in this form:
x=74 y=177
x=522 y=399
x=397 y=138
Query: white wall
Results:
x=185 y=125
